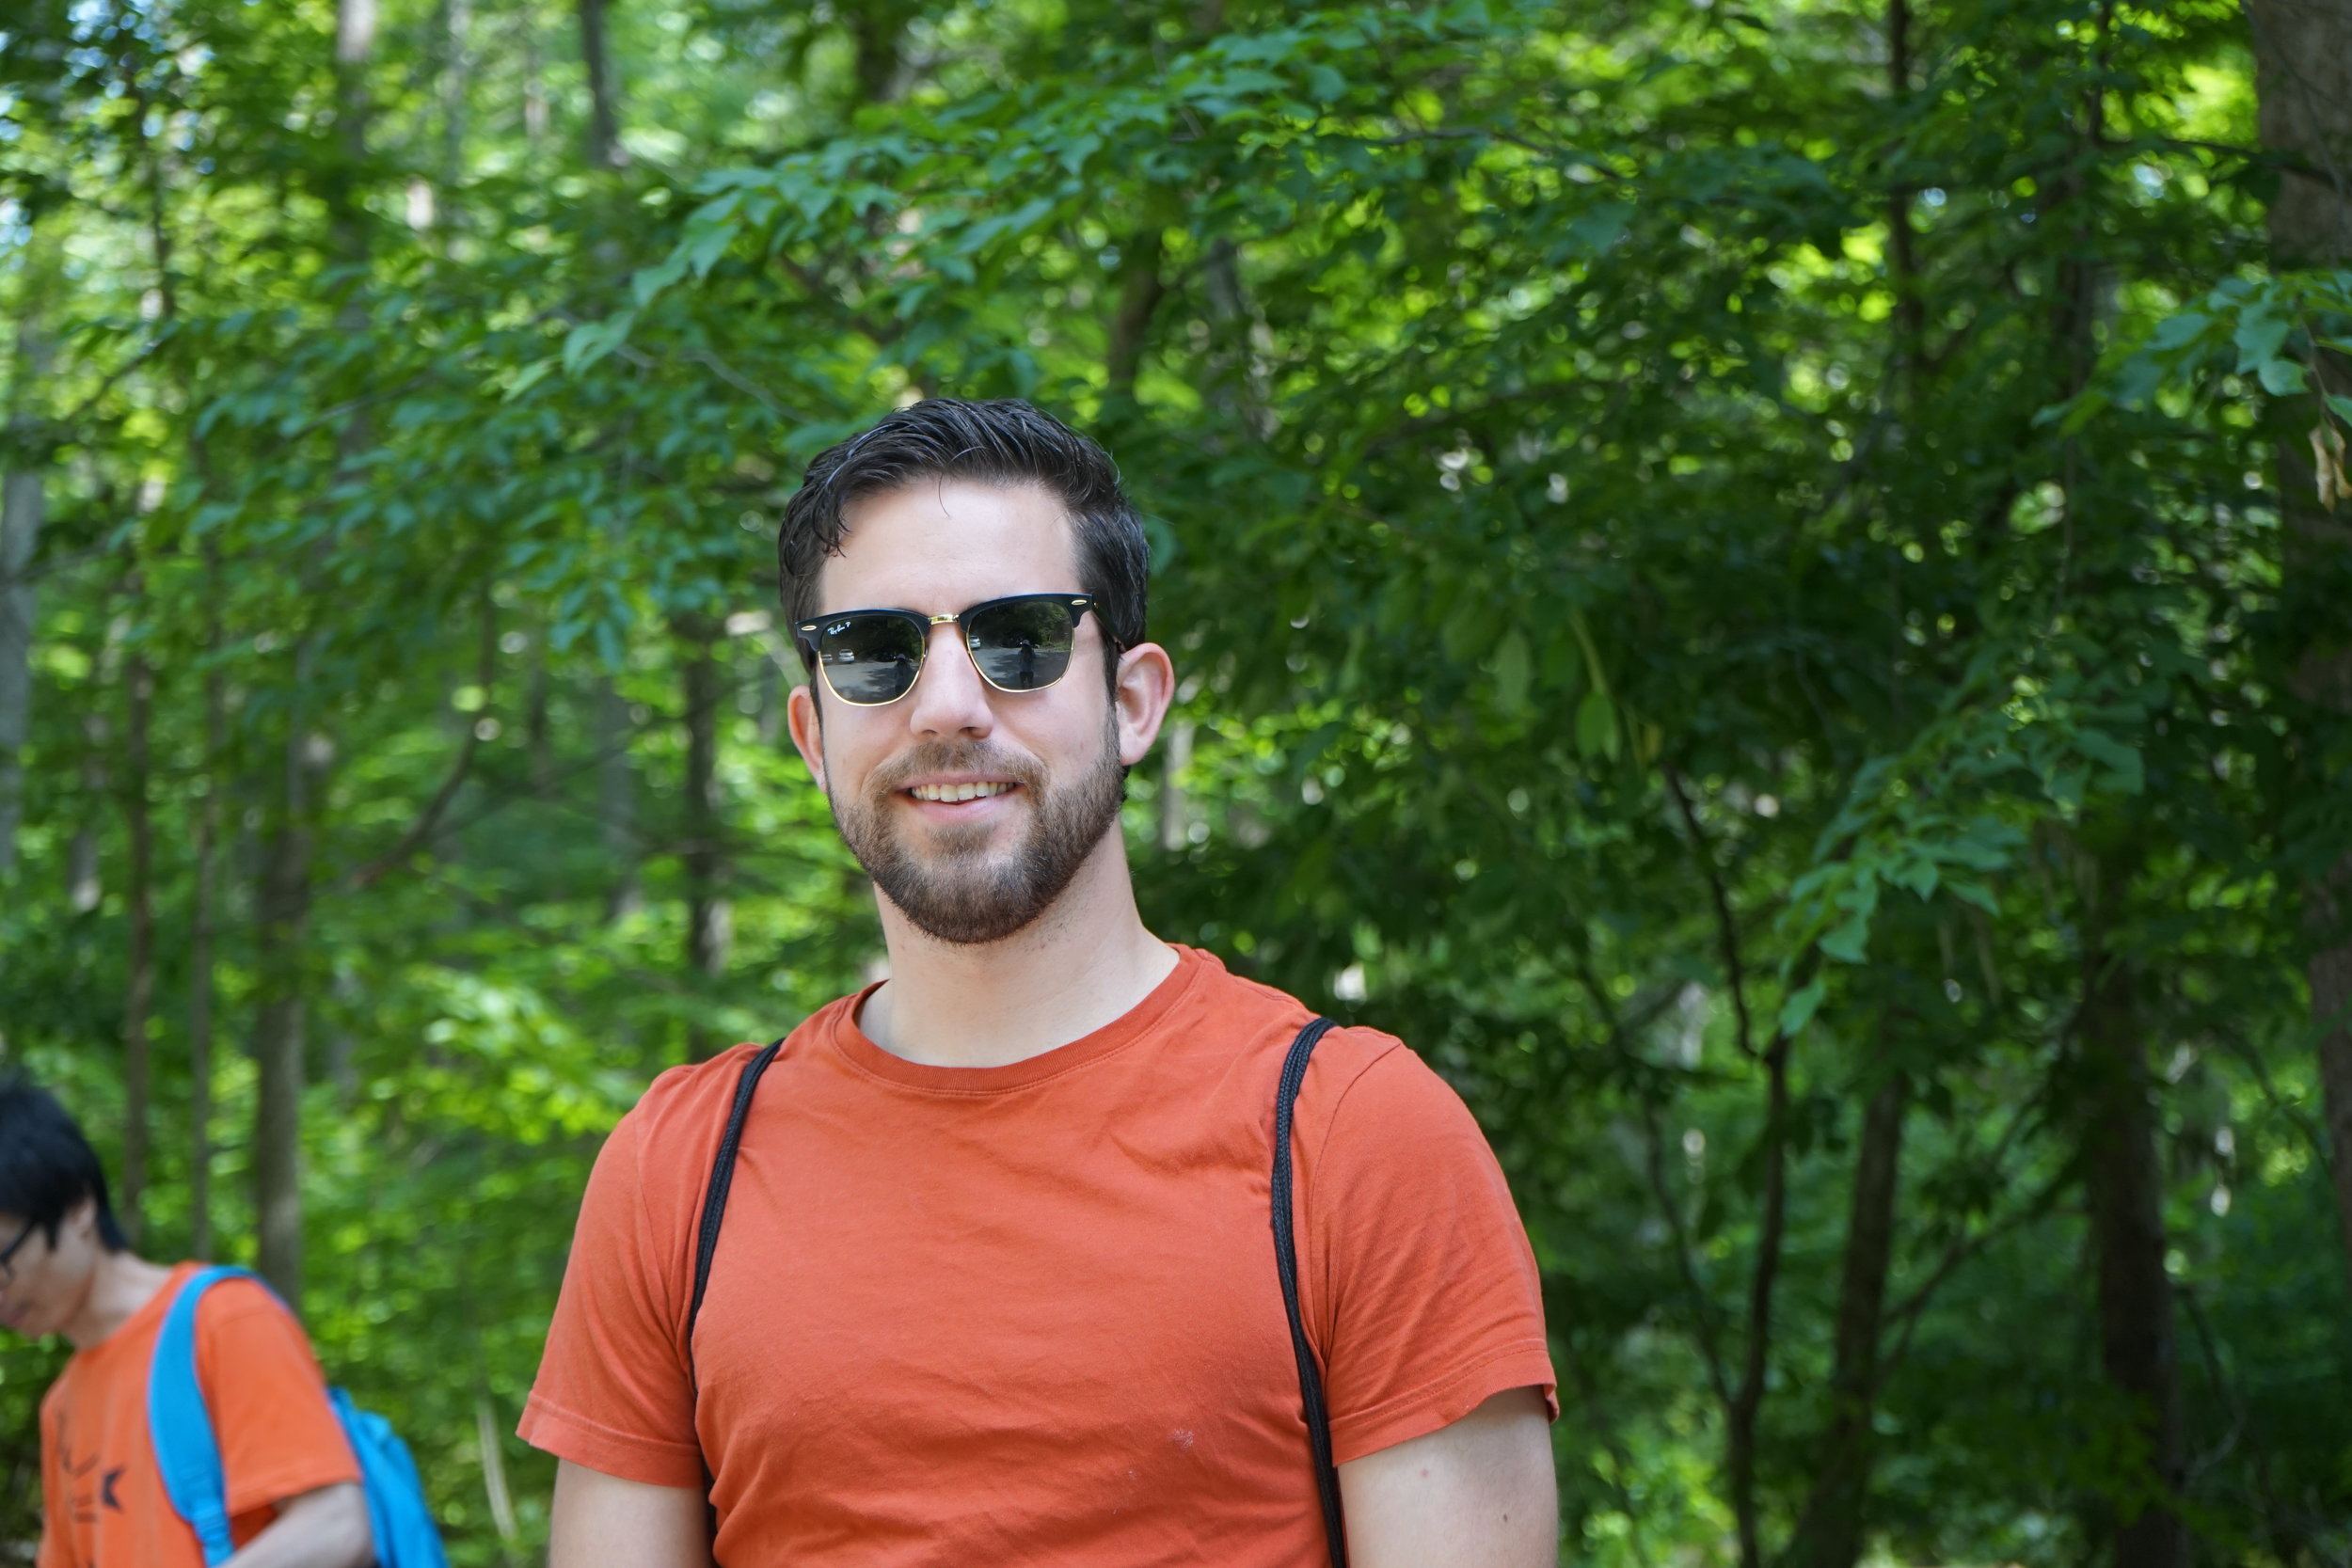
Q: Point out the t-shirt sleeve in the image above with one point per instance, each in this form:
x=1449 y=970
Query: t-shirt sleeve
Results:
x=1429 y=1303
x=614 y=1392
x=278 y=1434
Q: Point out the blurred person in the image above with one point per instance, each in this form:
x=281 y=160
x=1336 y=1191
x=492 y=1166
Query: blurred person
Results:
x=981 y=1264
x=291 y=1481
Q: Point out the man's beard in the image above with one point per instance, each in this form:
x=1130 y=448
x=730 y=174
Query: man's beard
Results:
x=959 y=892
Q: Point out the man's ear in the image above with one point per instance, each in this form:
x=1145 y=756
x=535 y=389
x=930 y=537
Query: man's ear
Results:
x=1140 y=698
x=809 y=730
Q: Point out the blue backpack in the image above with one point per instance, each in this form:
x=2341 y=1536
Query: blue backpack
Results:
x=188 y=1453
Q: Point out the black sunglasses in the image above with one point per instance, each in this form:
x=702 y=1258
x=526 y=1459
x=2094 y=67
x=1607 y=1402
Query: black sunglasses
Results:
x=872 y=656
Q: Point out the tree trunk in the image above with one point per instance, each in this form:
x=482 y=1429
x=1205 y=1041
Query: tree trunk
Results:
x=139 y=699
x=2136 y=1345
x=1740 y=1445
x=539 y=721
x=277 y=1115
x=2303 y=74
x=1829 y=1530
x=24 y=508
x=456 y=81
x=534 y=87
x=1175 y=824
x=703 y=853
x=282 y=919
x=876 y=33
x=139 y=895
x=355 y=51
x=1141 y=290
x=604 y=116
x=616 y=799
x=1239 y=384
x=282 y=901
x=84 y=880
x=1829 y=1533
x=200 y=924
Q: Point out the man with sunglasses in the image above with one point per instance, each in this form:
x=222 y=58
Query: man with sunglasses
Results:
x=984 y=1263
x=291 y=1481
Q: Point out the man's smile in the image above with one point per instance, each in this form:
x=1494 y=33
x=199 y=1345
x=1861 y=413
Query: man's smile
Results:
x=976 y=789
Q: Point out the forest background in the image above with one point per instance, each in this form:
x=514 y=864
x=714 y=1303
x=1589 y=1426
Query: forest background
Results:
x=1764 y=580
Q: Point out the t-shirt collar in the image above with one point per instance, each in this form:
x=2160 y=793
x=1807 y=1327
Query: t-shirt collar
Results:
x=1146 y=1016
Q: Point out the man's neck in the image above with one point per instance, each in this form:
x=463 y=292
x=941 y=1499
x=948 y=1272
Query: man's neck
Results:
x=1083 y=963
x=120 y=1284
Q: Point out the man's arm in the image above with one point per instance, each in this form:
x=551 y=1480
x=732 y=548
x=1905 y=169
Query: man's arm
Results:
x=326 y=1529
x=601 y=1520
x=1478 y=1494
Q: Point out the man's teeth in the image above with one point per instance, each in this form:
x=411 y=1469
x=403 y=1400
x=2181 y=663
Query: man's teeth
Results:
x=958 y=792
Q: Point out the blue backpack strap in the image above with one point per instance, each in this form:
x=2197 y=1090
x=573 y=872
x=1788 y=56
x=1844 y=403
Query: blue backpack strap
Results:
x=180 y=1425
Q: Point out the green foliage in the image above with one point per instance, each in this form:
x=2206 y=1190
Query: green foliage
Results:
x=1690 y=564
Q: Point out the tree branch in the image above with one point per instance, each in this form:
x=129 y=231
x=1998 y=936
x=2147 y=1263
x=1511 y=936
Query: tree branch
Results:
x=1726 y=928
x=1710 y=1333
x=422 y=828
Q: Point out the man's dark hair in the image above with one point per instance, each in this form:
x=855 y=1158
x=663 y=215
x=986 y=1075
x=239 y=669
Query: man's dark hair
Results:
x=47 y=1166
x=1002 y=441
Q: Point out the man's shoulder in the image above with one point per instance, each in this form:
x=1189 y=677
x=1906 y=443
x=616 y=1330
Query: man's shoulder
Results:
x=243 y=1310
x=698 y=1094
x=1269 y=1020
x=238 y=1295
x=1365 y=1091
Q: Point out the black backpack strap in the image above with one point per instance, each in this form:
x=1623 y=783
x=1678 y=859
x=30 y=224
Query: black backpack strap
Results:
x=1286 y=1260
x=707 y=1234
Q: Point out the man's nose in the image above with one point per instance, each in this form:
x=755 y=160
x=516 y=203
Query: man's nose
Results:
x=950 y=697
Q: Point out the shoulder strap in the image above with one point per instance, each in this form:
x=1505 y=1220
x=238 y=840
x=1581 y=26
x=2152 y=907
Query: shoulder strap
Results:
x=1285 y=1253
x=714 y=1214
x=1286 y=1260
x=180 y=1424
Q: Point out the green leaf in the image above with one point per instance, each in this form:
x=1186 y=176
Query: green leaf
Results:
x=2177 y=331
x=529 y=377
x=1920 y=875
x=1470 y=630
x=592 y=341
x=1802 y=1003
x=1601 y=226
x=1596 y=725
x=650 y=281
x=2259 y=337
x=1977 y=894
x=2281 y=377
x=2124 y=768
x=1850 y=942
x=1513 y=669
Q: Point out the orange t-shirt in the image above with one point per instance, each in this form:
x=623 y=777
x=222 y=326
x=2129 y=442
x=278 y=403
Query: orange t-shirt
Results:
x=1030 y=1313
x=102 y=1499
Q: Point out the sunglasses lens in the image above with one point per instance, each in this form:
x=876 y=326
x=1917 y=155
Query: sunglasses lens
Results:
x=1022 y=644
x=869 y=659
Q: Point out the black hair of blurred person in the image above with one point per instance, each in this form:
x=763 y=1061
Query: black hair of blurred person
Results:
x=1000 y=442
x=47 y=1166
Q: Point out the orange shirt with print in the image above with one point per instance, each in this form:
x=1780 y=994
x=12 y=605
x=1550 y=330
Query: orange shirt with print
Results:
x=1030 y=1313
x=102 y=1499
